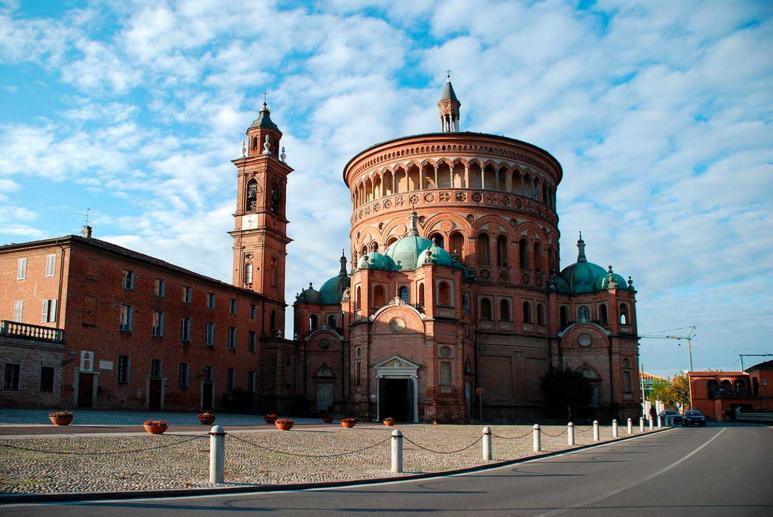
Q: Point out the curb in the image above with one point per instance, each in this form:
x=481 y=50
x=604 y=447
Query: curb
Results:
x=194 y=492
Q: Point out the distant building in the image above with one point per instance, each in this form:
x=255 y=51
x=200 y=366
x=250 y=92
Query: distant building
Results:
x=717 y=394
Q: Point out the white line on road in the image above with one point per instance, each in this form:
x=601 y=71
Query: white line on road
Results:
x=637 y=483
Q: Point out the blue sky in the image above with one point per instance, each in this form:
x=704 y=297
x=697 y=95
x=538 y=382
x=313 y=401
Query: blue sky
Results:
x=660 y=113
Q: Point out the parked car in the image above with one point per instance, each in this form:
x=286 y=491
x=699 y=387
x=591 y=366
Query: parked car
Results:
x=673 y=415
x=693 y=417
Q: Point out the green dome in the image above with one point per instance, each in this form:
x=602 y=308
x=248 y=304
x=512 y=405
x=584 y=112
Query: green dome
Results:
x=585 y=277
x=406 y=251
x=375 y=260
x=309 y=295
x=333 y=290
x=439 y=257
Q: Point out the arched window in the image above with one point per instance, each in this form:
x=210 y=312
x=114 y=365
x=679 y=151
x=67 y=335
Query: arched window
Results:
x=713 y=389
x=563 y=315
x=374 y=246
x=485 y=309
x=457 y=245
x=624 y=314
x=483 y=250
x=537 y=256
x=523 y=254
x=526 y=309
x=274 y=272
x=252 y=196
x=501 y=250
x=248 y=273
x=603 y=318
x=331 y=321
x=583 y=313
x=364 y=251
x=379 y=296
x=504 y=310
x=357 y=299
x=437 y=238
x=540 y=314
x=272 y=321
x=313 y=325
x=740 y=388
x=444 y=294
x=421 y=295
x=726 y=388
x=276 y=199
x=254 y=143
x=391 y=241
x=404 y=294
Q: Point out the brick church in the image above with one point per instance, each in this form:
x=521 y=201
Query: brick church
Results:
x=453 y=299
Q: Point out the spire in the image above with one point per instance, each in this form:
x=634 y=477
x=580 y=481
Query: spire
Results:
x=342 y=272
x=264 y=119
x=581 y=250
x=414 y=228
x=449 y=107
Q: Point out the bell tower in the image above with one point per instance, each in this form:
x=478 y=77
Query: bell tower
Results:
x=449 y=108
x=260 y=224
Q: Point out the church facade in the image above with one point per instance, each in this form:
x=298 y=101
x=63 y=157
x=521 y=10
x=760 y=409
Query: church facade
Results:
x=455 y=302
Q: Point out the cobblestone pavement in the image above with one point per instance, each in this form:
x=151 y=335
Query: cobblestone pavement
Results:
x=180 y=461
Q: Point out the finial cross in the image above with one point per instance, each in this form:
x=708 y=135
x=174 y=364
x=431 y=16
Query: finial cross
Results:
x=265 y=96
x=448 y=74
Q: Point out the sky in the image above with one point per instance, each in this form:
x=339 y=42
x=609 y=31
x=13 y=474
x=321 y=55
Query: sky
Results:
x=659 y=112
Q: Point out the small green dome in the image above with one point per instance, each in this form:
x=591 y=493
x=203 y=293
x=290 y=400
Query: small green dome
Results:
x=309 y=295
x=407 y=251
x=375 y=260
x=333 y=289
x=585 y=277
x=439 y=257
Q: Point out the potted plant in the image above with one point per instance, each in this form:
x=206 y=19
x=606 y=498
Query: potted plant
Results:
x=284 y=424
x=155 y=426
x=60 y=417
x=348 y=422
x=327 y=417
x=389 y=421
x=207 y=418
x=270 y=418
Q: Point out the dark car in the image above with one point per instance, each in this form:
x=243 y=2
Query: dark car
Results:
x=693 y=417
x=672 y=415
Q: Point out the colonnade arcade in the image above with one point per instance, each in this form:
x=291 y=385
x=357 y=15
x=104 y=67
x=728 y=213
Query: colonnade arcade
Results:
x=472 y=174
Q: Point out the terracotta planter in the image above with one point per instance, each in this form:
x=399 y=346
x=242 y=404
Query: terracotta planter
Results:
x=207 y=418
x=270 y=419
x=60 y=419
x=348 y=423
x=155 y=428
x=284 y=424
x=390 y=422
x=328 y=419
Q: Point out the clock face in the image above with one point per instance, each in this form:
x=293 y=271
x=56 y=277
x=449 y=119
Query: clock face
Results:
x=249 y=222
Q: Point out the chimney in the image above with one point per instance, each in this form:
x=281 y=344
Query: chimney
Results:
x=86 y=231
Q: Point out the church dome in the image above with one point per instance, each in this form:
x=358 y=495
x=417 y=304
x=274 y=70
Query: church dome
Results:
x=375 y=260
x=309 y=295
x=585 y=277
x=407 y=251
x=439 y=256
x=333 y=289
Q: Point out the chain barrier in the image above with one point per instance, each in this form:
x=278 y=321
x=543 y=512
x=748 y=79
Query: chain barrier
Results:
x=587 y=429
x=102 y=453
x=298 y=455
x=441 y=452
x=527 y=433
x=553 y=435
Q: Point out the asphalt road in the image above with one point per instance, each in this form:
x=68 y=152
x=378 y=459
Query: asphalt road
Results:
x=697 y=471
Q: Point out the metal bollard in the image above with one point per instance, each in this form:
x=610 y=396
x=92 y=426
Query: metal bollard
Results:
x=630 y=426
x=216 y=454
x=650 y=423
x=536 y=438
x=397 y=451
x=595 y=430
x=570 y=433
x=488 y=446
x=641 y=424
x=660 y=422
x=614 y=428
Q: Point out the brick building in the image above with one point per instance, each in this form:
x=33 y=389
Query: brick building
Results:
x=87 y=323
x=717 y=394
x=455 y=291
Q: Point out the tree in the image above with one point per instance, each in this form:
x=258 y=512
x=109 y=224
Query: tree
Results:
x=566 y=390
x=661 y=390
x=680 y=390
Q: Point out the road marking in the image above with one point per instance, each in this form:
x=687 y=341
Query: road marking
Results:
x=596 y=499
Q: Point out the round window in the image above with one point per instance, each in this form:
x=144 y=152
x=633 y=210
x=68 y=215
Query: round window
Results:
x=584 y=340
x=324 y=344
x=397 y=324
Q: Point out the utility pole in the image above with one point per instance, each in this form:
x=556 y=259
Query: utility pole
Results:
x=690 y=335
x=752 y=355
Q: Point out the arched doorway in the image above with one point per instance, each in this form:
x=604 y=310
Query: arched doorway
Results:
x=324 y=381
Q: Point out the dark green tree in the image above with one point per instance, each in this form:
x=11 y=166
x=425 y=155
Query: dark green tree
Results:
x=566 y=390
